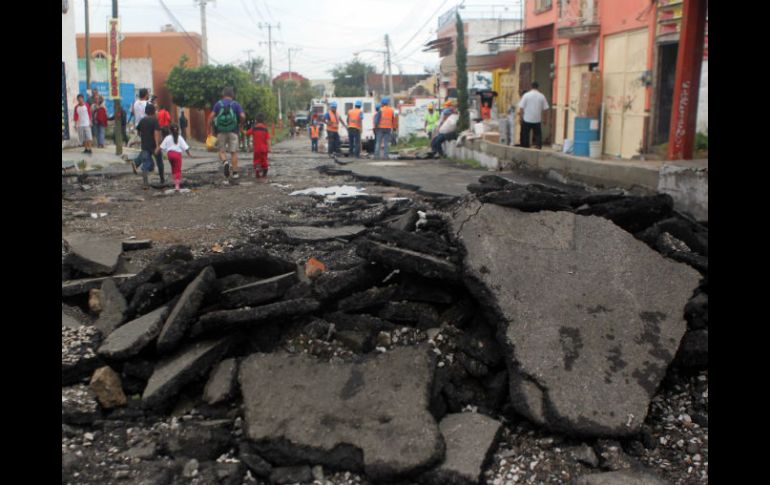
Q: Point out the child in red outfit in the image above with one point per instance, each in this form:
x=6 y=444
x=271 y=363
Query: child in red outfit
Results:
x=261 y=142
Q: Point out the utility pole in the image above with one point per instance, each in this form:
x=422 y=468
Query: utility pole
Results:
x=88 y=52
x=295 y=49
x=204 y=38
x=251 y=65
x=390 y=73
x=280 y=112
x=118 y=127
x=269 y=43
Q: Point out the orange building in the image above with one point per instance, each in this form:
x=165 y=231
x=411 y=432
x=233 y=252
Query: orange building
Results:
x=632 y=44
x=165 y=49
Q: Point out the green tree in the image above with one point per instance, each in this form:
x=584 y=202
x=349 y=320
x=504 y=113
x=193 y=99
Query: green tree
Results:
x=461 y=59
x=201 y=88
x=256 y=69
x=295 y=94
x=349 y=78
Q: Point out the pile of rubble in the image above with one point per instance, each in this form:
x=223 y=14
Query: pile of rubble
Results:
x=403 y=365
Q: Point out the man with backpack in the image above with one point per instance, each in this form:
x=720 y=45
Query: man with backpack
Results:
x=225 y=117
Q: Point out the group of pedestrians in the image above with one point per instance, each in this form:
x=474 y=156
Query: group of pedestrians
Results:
x=90 y=120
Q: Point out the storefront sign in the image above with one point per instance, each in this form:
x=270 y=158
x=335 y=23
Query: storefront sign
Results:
x=113 y=59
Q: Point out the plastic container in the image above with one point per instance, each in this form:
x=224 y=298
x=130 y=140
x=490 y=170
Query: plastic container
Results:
x=595 y=149
x=586 y=131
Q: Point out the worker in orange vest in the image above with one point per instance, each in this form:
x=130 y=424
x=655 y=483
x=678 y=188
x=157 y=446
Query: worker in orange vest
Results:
x=384 y=121
x=333 y=121
x=355 y=122
x=314 y=136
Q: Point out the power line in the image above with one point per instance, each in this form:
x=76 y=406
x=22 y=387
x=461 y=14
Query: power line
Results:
x=189 y=38
x=432 y=16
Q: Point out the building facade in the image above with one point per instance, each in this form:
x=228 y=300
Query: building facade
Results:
x=69 y=69
x=632 y=45
x=165 y=50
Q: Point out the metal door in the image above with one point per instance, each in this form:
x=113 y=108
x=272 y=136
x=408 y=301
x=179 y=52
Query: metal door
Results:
x=625 y=63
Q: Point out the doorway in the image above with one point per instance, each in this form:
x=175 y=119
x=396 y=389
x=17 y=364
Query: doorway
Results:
x=667 y=74
x=544 y=61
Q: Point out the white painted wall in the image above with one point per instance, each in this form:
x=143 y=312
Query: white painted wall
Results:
x=703 y=99
x=137 y=71
x=69 y=56
x=482 y=29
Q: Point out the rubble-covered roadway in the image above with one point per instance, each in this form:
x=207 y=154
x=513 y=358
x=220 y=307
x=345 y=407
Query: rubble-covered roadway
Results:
x=235 y=333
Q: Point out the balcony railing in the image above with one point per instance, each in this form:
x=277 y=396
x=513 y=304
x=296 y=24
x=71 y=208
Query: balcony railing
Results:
x=578 y=18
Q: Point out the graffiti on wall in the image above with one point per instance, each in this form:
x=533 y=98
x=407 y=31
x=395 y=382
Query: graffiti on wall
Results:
x=680 y=131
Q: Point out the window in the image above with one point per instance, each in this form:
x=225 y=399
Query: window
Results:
x=543 y=5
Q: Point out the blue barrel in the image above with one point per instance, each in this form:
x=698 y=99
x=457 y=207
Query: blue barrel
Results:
x=584 y=134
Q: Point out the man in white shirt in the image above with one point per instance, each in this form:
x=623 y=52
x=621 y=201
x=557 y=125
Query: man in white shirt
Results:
x=139 y=106
x=531 y=108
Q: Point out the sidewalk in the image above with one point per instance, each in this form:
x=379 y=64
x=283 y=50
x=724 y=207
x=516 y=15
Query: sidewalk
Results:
x=105 y=160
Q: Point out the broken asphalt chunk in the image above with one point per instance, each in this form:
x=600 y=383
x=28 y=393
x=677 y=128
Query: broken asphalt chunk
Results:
x=184 y=366
x=228 y=320
x=633 y=214
x=182 y=314
x=410 y=261
x=259 y=292
x=470 y=442
x=131 y=338
x=136 y=244
x=93 y=255
x=610 y=330
x=84 y=285
x=113 y=308
x=371 y=415
x=313 y=233
x=221 y=383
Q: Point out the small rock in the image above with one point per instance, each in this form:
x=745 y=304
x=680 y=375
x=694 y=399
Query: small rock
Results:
x=291 y=474
x=106 y=384
x=586 y=455
x=95 y=300
x=190 y=469
x=318 y=473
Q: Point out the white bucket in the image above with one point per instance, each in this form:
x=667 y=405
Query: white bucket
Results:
x=595 y=149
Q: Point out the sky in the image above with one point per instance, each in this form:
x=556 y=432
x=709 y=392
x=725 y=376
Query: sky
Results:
x=320 y=33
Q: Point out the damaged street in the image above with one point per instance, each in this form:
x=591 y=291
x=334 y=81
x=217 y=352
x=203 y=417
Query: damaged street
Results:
x=330 y=327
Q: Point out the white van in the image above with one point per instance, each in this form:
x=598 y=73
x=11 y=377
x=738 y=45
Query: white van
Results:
x=346 y=104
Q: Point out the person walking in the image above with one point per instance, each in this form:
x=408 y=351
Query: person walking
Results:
x=431 y=119
x=100 y=122
x=82 y=117
x=531 y=108
x=383 y=122
x=149 y=133
x=182 y=122
x=261 y=142
x=93 y=102
x=314 y=130
x=164 y=120
x=355 y=122
x=173 y=145
x=333 y=121
x=225 y=119
x=138 y=108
